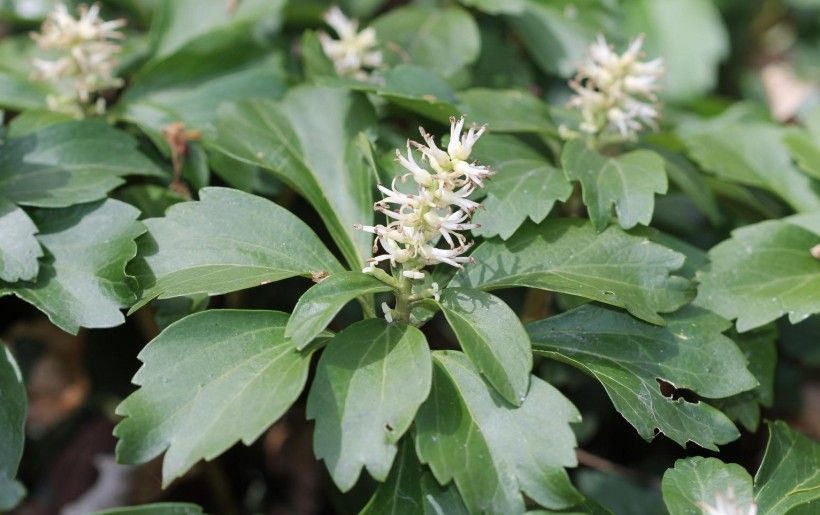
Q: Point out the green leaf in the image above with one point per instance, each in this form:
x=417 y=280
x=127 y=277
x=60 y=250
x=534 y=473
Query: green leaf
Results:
x=751 y=153
x=683 y=174
x=697 y=483
x=444 y=39
x=628 y=357
x=506 y=110
x=361 y=8
x=18 y=91
x=619 y=493
x=370 y=381
x=208 y=381
x=555 y=41
x=789 y=475
x=786 y=482
x=228 y=241
x=805 y=151
x=151 y=199
x=244 y=176
x=465 y=432
x=522 y=175
x=420 y=91
x=493 y=338
x=569 y=256
x=497 y=6
x=317 y=66
x=797 y=342
x=410 y=489
x=401 y=492
x=441 y=500
x=408 y=86
x=174 y=26
x=695 y=257
x=588 y=507
x=690 y=37
x=161 y=508
x=308 y=141
x=12 y=426
x=627 y=182
x=323 y=301
x=760 y=350
x=501 y=65
x=762 y=272
x=82 y=281
x=189 y=85
x=19 y=249
x=35 y=120
x=69 y=163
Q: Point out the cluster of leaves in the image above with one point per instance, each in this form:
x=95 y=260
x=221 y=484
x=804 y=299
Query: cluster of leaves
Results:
x=471 y=429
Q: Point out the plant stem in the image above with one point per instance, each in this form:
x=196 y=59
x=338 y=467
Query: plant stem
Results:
x=405 y=289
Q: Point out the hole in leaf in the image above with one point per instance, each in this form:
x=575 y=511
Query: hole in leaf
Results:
x=669 y=390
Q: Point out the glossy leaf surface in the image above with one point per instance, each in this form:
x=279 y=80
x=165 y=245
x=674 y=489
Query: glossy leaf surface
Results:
x=569 y=256
x=82 y=281
x=227 y=241
x=492 y=451
x=208 y=381
x=493 y=338
x=627 y=183
x=370 y=381
x=630 y=358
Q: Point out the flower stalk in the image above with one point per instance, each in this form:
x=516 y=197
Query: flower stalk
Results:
x=405 y=289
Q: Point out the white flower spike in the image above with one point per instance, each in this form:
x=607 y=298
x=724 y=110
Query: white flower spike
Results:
x=617 y=92
x=85 y=58
x=439 y=210
x=354 y=54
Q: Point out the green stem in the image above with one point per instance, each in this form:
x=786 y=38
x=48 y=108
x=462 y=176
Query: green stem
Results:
x=403 y=293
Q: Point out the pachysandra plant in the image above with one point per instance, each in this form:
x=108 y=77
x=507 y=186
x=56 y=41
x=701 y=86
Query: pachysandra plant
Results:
x=79 y=58
x=452 y=314
x=615 y=95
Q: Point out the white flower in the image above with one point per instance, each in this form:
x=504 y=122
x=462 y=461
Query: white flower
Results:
x=439 y=209
x=84 y=61
x=354 y=53
x=617 y=92
x=726 y=503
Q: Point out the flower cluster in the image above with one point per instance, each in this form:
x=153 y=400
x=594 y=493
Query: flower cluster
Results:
x=353 y=54
x=85 y=51
x=439 y=209
x=616 y=92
